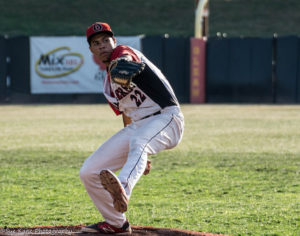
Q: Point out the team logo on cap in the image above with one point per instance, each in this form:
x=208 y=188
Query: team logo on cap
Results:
x=97 y=27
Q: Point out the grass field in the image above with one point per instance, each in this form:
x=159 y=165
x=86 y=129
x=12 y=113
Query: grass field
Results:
x=254 y=18
x=260 y=18
x=236 y=171
x=65 y=17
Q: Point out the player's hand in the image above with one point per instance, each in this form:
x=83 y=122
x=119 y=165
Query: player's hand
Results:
x=148 y=168
x=122 y=70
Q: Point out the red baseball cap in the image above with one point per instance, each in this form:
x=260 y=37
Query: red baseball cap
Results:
x=97 y=28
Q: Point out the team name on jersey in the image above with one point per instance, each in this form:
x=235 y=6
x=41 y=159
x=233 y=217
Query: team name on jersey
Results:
x=123 y=91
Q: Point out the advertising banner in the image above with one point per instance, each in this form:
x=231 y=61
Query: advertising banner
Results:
x=66 y=65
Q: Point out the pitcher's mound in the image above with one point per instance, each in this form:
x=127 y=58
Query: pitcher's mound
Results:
x=75 y=231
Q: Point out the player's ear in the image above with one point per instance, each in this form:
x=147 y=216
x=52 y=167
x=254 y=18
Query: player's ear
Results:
x=115 y=40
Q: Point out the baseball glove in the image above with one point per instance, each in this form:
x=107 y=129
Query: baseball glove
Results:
x=122 y=71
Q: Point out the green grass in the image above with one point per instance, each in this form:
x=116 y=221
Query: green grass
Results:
x=174 y=17
x=235 y=172
x=66 y=17
x=261 y=18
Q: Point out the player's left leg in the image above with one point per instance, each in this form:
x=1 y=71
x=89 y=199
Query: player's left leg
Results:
x=151 y=136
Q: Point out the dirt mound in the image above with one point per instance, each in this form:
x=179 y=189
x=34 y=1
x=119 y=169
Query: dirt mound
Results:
x=75 y=230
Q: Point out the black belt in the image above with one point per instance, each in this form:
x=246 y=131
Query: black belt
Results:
x=154 y=114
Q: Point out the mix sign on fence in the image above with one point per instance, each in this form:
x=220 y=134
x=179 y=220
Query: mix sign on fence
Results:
x=66 y=65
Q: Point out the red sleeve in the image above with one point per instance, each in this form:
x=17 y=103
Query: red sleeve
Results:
x=123 y=50
x=117 y=112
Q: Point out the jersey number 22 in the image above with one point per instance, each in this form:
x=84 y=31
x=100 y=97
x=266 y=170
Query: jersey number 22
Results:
x=138 y=97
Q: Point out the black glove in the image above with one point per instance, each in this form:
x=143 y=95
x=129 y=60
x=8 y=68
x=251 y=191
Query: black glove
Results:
x=122 y=70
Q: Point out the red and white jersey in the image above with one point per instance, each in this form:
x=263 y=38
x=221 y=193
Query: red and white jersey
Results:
x=150 y=91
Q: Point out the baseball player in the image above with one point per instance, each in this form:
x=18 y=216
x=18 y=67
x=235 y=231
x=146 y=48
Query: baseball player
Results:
x=137 y=90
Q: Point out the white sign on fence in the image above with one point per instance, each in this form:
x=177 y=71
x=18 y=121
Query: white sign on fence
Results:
x=66 y=65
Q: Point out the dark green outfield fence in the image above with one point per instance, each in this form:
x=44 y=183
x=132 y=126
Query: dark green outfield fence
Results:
x=288 y=70
x=3 y=68
x=172 y=56
x=238 y=70
x=263 y=70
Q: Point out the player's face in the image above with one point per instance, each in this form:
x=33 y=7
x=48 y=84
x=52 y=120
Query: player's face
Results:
x=102 y=46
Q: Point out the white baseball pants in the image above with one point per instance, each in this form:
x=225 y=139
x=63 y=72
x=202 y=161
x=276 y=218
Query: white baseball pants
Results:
x=128 y=150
